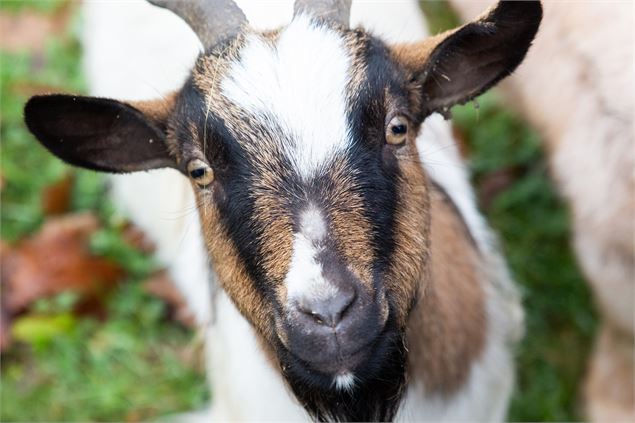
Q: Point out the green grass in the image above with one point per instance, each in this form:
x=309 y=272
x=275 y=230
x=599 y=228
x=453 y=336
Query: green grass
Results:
x=44 y=6
x=132 y=366
x=135 y=364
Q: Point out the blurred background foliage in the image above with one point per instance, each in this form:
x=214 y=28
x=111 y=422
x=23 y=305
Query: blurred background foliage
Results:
x=115 y=354
x=119 y=353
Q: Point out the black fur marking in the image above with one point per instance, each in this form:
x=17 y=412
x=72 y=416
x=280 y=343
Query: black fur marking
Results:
x=238 y=213
x=234 y=175
x=377 y=176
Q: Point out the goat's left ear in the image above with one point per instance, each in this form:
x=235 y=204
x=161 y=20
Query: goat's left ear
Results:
x=102 y=134
x=456 y=66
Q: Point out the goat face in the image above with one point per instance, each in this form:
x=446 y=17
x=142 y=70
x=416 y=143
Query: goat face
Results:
x=317 y=192
x=300 y=147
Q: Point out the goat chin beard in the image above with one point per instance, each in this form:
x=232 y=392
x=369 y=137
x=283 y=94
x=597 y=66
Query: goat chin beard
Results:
x=371 y=392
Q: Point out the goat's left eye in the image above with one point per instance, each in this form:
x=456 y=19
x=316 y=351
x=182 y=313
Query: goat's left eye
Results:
x=201 y=172
x=397 y=131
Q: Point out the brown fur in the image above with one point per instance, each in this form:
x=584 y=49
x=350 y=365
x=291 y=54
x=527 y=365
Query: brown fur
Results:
x=413 y=54
x=232 y=275
x=355 y=42
x=412 y=230
x=157 y=110
x=351 y=229
x=447 y=329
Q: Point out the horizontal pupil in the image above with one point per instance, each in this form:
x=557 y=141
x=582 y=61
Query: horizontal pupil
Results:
x=399 y=129
x=197 y=173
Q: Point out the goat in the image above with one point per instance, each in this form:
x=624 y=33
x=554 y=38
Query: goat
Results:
x=350 y=279
x=577 y=88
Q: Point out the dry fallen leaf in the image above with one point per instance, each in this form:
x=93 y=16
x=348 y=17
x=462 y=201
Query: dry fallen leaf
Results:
x=136 y=238
x=54 y=260
x=160 y=285
x=29 y=30
x=5 y=329
x=56 y=198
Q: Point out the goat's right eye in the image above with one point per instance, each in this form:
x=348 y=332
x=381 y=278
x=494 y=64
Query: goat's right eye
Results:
x=197 y=173
x=201 y=172
x=397 y=131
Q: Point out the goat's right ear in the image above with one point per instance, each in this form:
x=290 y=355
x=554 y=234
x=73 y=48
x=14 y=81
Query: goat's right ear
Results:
x=102 y=134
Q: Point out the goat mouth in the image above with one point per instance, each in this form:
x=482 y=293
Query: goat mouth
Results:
x=373 y=388
x=343 y=363
x=329 y=373
x=340 y=357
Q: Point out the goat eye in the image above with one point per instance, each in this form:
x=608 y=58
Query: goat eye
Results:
x=397 y=131
x=201 y=172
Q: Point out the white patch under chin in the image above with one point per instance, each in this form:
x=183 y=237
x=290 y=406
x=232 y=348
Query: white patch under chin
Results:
x=345 y=382
x=301 y=82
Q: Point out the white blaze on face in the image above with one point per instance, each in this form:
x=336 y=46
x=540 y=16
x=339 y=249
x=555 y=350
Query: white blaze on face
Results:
x=312 y=224
x=300 y=82
x=304 y=279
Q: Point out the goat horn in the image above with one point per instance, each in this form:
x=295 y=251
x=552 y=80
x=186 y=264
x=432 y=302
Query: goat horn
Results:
x=332 y=11
x=213 y=21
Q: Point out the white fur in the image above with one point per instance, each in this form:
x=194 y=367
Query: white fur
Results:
x=304 y=279
x=345 y=382
x=301 y=84
x=405 y=21
x=244 y=385
x=440 y=156
x=312 y=224
x=134 y=50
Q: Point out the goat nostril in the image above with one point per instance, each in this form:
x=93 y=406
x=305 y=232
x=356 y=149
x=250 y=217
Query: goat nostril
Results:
x=327 y=311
